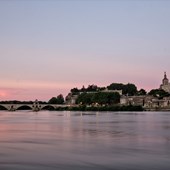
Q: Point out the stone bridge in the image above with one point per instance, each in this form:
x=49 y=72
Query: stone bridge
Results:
x=34 y=106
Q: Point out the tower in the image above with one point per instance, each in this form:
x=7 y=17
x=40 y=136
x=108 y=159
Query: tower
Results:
x=165 y=84
x=165 y=80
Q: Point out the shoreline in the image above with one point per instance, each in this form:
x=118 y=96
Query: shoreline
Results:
x=87 y=108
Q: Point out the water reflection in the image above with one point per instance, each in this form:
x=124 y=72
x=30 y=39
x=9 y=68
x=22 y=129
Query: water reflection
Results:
x=77 y=140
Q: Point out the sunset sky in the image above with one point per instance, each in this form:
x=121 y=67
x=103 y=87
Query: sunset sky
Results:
x=48 y=47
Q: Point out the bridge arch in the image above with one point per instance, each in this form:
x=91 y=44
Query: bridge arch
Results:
x=24 y=107
x=3 y=107
x=48 y=107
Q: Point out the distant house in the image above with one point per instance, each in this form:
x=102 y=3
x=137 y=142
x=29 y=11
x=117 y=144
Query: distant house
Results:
x=133 y=100
x=147 y=101
x=71 y=99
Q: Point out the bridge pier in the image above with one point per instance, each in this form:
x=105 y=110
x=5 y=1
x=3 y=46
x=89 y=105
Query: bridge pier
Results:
x=12 y=108
x=36 y=106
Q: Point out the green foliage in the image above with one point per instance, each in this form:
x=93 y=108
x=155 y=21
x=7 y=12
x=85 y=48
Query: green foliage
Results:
x=57 y=100
x=141 y=92
x=74 y=90
x=100 y=98
x=159 y=93
x=90 y=88
x=106 y=98
x=116 y=86
x=130 y=89
x=127 y=89
x=60 y=99
x=53 y=100
x=85 y=98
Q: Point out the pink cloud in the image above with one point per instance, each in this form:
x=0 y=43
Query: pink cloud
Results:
x=30 y=93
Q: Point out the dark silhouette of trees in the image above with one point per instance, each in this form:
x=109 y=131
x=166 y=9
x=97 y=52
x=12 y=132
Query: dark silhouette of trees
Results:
x=90 y=88
x=57 y=100
x=141 y=92
x=127 y=89
x=159 y=93
x=60 y=99
x=116 y=86
x=53 y=100
x=85 y=98
x=74 y=91
x=99 y=98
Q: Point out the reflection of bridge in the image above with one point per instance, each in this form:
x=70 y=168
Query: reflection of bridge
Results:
x=36 y=106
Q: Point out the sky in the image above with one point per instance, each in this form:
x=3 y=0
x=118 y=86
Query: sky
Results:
x=48 y=47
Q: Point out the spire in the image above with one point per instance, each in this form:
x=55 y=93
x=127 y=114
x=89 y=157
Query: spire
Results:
x=165 y=80
x=165 y=77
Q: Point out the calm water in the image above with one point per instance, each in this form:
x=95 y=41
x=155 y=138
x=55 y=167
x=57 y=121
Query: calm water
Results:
x=75 y=141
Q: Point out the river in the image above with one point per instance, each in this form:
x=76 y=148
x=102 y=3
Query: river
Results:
x=50 y=140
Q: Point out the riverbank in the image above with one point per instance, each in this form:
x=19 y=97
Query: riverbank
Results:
x=86 y=108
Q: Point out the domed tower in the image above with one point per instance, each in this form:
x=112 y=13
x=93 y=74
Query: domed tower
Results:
x=165 y=84
x=165 y=80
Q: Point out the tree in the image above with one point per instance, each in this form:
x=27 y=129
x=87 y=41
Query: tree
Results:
x=91 y=88
x=106 y=98
x=83 y=89
x=57 y=100
x=159 y=93
x=142 y=92
x=127 y=89
x=84 y=98
x=60 y=99
x=53 y=100
x=74 y=91
x=115 y=86
x=100 y=98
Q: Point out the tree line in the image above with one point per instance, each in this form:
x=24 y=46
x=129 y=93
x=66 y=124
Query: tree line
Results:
x=94 y=94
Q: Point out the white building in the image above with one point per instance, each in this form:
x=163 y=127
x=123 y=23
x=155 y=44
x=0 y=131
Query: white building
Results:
x=165 y=84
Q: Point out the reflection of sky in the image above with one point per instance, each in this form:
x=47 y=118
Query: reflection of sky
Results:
x=65 y=140
x=46 y=46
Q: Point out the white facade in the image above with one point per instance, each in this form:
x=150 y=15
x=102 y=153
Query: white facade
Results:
x=165 y=84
